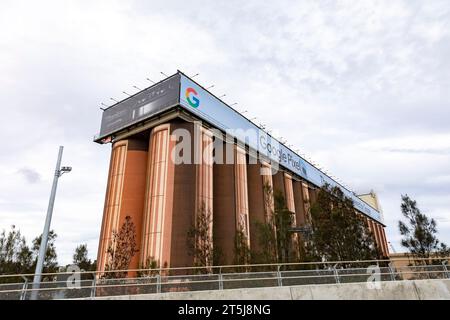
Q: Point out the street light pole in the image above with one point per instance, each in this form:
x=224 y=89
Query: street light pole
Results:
x=44 y=239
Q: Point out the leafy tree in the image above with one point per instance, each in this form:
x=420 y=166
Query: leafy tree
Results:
x=199 y=239
x=337 y=232
x=15 y=256
x=149 y=268
x=80 y=258
x=266 y=232
x=284 y=219
x=419 y=232
x=276 y=239
x=267 y=241
x=122 y=249
x=50 y=261
x=241 y=249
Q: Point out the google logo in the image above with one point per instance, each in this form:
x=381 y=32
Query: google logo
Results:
x=191 y=97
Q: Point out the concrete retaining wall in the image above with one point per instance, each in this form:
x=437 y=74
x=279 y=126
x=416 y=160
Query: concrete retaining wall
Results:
x=395 y=290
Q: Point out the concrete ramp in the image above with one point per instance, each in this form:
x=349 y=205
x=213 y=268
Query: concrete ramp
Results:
x=390 y=290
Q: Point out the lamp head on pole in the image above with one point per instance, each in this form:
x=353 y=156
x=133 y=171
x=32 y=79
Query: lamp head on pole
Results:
x=64 y=170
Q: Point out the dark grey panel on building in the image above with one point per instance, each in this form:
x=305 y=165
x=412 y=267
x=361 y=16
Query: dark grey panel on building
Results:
x=141 y=106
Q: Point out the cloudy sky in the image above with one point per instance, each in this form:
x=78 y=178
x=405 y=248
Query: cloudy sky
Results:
x=361 y=87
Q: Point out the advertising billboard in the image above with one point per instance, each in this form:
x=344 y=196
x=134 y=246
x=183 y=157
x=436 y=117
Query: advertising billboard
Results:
x=211 y=109
x=140 y=106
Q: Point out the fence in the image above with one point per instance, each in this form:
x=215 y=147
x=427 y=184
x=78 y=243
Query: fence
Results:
x=145 y=281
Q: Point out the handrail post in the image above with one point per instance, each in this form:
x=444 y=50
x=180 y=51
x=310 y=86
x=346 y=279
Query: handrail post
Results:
x=23 y=294
x=427 y=267
x=220 y=279
x=280 y=281
x=391 y=271
x=336 y=274
x=158 y=283
x=94 y=286
x=444 y=264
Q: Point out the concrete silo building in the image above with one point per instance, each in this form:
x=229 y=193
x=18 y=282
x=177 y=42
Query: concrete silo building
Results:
x=177 y=149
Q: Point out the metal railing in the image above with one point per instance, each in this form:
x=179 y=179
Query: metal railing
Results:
x=147 y=281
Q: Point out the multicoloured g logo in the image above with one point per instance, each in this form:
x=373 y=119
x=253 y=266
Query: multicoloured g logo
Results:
x=191 y=97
